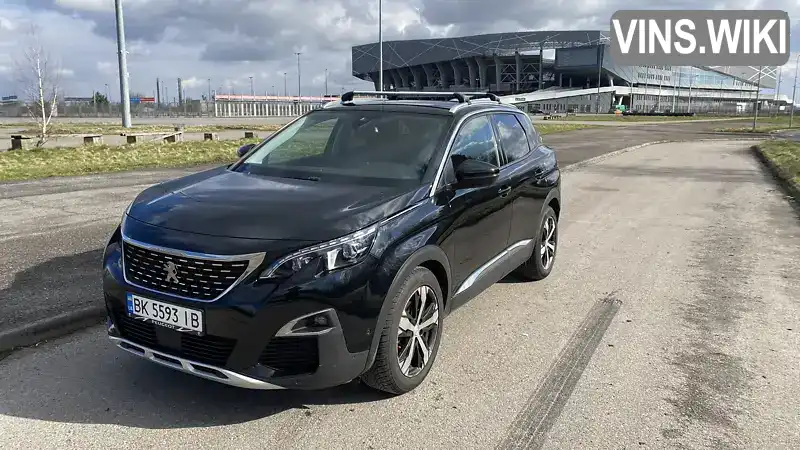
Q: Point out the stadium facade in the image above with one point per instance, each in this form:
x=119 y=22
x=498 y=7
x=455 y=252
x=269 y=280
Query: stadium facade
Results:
x=559 y=71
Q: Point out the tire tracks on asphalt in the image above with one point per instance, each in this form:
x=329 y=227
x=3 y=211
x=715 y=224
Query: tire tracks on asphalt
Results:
x=529 y=429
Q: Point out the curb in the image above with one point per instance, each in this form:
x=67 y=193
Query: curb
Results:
x=783 y=179
x=598 y=158
x=51 y=327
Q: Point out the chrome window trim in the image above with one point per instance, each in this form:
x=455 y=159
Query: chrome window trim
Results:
x=254 y=260
x=449 y=148
x=191 y=367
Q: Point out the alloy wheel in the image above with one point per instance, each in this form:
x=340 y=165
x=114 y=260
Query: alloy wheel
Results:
x=547 y=250
x=418 y=331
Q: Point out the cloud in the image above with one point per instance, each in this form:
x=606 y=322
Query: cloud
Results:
x=231 y=40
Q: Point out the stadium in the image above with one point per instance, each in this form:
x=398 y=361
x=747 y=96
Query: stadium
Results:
x=560 y=71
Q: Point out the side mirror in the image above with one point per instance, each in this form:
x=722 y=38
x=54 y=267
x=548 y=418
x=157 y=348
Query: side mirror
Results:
x=472 y=173
x=244 y=149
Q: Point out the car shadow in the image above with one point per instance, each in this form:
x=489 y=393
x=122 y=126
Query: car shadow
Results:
x=55 y=286
x=85 y=379
x=512 y=279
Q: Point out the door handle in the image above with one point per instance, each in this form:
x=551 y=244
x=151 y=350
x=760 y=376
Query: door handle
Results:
x=503 y=191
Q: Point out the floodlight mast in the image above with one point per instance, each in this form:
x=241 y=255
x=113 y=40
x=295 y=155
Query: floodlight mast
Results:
x=380 y=45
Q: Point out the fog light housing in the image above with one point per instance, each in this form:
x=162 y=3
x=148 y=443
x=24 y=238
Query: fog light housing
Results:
x=311 y=324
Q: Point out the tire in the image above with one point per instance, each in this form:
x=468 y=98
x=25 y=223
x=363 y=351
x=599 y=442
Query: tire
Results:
x=537 y=267
x=386 y=374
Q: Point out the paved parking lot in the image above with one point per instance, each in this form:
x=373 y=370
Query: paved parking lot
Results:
x=670 y=320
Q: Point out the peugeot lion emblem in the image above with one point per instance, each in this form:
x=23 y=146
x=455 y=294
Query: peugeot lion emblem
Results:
x=172 y=272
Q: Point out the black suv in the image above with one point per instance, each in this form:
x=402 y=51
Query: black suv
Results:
x=335 y=249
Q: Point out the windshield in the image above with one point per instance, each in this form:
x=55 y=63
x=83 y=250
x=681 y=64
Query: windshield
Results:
x=352 y=146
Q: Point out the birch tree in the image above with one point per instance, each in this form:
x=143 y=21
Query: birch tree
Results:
x=39 y=78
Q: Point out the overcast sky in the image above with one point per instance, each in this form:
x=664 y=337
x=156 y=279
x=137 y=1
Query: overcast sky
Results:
x=232 y=40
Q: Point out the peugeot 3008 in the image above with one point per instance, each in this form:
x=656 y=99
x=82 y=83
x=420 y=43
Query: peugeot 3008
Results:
x=335 y=249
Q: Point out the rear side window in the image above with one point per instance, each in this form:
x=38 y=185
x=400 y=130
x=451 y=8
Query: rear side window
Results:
x=476 y=140
x=534 y=137
x=512 y=136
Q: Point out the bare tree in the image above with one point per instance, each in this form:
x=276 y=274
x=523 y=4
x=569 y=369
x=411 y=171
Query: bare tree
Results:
x=39 y=77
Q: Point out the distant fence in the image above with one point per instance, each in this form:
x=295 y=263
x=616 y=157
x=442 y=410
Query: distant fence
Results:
x=196 y=108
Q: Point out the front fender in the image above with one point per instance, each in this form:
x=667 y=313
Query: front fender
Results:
x=407 y=256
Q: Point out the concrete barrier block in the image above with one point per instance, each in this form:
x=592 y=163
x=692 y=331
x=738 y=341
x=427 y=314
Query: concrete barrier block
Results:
x=93 y=140
x=20 y=142
x=177 y=137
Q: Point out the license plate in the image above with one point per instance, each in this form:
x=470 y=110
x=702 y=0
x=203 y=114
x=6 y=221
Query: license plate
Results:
x=165 y=314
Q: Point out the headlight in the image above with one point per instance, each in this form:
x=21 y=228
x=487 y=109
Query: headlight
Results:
x=336 y=254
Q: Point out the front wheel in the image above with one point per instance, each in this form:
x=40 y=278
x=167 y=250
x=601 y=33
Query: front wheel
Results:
x=410 y=336
x=541 y=262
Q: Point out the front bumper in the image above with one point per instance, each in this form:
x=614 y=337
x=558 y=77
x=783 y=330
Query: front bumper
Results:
x=286 y=362
x=193 y=367
x=246 y=342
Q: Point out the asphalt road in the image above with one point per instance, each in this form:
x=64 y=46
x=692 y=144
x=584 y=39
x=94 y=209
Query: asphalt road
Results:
x=671 y=320
x=52 y=231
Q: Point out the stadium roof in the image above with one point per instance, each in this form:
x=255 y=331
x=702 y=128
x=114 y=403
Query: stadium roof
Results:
x=425 y=51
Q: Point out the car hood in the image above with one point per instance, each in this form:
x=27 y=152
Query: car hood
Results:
x=220 y=202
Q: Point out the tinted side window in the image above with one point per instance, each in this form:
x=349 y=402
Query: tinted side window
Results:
x=512 y=136
x=476 y=140
x=532 y=134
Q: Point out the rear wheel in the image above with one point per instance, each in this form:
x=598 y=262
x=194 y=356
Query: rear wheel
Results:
x=543 y=258
x=410 y=336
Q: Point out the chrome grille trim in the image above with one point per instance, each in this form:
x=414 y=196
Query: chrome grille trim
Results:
x=253 y=261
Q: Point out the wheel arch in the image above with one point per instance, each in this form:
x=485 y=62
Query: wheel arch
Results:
x=432 y=258
x=553 y=200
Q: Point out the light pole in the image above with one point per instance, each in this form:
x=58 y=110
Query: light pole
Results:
x=778 y=90
x=794 y=89
x=285 y=91
x=123 y=67
x=380 y=44
x=326 y=82
x=758 y=91
x=599 y=74
x=252 y=91
x=209 y=89
x=298 y=75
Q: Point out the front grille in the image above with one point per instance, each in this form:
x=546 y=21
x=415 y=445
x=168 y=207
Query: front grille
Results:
x=142 y=333
x=294 y=355
x=196 y=278
x=213 y=350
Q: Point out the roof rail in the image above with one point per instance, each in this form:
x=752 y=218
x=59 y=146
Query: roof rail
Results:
x=399 y=95
x=486 y=95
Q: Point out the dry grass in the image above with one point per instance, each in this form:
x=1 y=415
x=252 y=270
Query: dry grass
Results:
x=550 y=128
x=43 y=163
x=615 y=118
x=763 y=125
x=785 y=155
